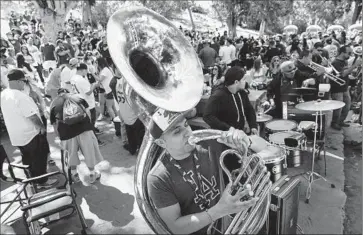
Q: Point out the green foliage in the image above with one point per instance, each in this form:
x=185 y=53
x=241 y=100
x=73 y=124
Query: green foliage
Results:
x=166 y=8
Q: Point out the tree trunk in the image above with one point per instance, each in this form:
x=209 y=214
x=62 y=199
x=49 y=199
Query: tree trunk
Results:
x=231 y=20
x=86 y=12
x=357 y=11
x=53 y=23
x=262 y=27
x=191 y=16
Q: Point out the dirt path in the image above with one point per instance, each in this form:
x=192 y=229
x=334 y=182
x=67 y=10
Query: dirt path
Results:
x=353 y=189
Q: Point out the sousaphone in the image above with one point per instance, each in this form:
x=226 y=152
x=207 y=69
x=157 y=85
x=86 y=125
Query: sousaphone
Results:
x=162 y=71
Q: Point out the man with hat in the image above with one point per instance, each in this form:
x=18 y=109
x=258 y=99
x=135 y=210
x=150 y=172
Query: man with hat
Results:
x=230 y=106
x=25 y=127
x=281 y=89
x=185 y=184
x=208 y=56
x=67 y=73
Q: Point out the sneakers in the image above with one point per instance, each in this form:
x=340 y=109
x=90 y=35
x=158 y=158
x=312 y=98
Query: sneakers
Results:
x=101 y=117
x=95 y=175
x=343 y=124
x=101 y=143
x=48 y=184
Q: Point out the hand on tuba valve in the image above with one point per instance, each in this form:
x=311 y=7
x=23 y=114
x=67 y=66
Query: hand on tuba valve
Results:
x=231 y=204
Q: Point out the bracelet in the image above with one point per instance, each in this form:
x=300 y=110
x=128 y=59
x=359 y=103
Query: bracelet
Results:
x=210 y=217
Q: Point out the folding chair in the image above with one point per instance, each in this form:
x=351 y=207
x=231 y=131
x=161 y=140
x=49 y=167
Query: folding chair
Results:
x=42 y=205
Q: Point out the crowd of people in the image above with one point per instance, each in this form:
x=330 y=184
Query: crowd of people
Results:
x=61 y=82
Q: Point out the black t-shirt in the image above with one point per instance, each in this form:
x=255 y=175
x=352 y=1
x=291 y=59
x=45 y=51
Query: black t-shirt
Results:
x=65 y=131
x=167 y=187
x=271 y=53
x=340 y=66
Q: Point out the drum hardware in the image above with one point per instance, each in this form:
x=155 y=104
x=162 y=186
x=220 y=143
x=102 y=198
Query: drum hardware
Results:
x=318 y=106
x=261 y=118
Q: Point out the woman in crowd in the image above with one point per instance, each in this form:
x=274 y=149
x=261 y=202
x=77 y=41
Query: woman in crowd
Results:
x=258 y=72
x=105 y=76
x=274 y=67
x=26 y=67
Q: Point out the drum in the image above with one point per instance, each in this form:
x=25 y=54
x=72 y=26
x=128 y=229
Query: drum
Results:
x=279 y=125
x=293 y=154
x=275 y=161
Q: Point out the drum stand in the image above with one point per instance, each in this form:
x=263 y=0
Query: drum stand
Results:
x=312 y=173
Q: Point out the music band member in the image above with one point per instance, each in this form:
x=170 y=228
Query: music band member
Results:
x=341 y=93
x=320 y=55
x=230 y=105
x=302 y=64
x=185 y=184
x=281 y=89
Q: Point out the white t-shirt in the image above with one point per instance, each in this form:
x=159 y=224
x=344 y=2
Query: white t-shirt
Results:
x=106 y=72
x=16 y=107
x=34 y=51
x=66 y=76
x=227 y=54
x=81 y=85
x=332 y=50
x=126 y=113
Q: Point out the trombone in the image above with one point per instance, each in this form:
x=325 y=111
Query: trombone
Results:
x=314 y=66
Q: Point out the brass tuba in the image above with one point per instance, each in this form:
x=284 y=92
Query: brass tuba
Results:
x=162 y=71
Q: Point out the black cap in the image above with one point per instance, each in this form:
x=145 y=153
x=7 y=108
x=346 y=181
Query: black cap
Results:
x=233 y=74
x=15 y=74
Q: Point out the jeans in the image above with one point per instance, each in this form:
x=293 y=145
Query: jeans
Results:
x=339 y=115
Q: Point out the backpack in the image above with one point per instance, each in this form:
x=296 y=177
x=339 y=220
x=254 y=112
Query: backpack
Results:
x=73 y=113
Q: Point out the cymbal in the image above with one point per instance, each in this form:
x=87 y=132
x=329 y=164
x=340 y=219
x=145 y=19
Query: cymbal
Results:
x=263 y=117
x=320 y=105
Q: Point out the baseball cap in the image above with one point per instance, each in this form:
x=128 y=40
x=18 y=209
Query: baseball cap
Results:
x=16 y=74
x=162 y=120
x=287 y=67
x=73 y=62
x=233 y=74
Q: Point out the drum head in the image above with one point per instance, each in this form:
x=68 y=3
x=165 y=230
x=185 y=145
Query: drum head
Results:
x=279 y=137
x=272 y=154
x=281 y=125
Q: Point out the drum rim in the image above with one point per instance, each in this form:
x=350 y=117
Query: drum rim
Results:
x=276 y=159
x=292 y=121
x=274 y=143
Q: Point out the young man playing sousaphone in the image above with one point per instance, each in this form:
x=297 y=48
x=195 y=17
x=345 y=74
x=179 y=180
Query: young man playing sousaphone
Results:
x=185 y=184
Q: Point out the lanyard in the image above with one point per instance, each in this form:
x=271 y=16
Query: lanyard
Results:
x=196 y=185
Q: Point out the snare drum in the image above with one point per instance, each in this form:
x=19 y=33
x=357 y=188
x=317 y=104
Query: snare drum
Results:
x=274 y=158
x=293 y=154
x=279 y=125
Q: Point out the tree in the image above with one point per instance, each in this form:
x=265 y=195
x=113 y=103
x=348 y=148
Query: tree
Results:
x=53 y=13
x=232 y=10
